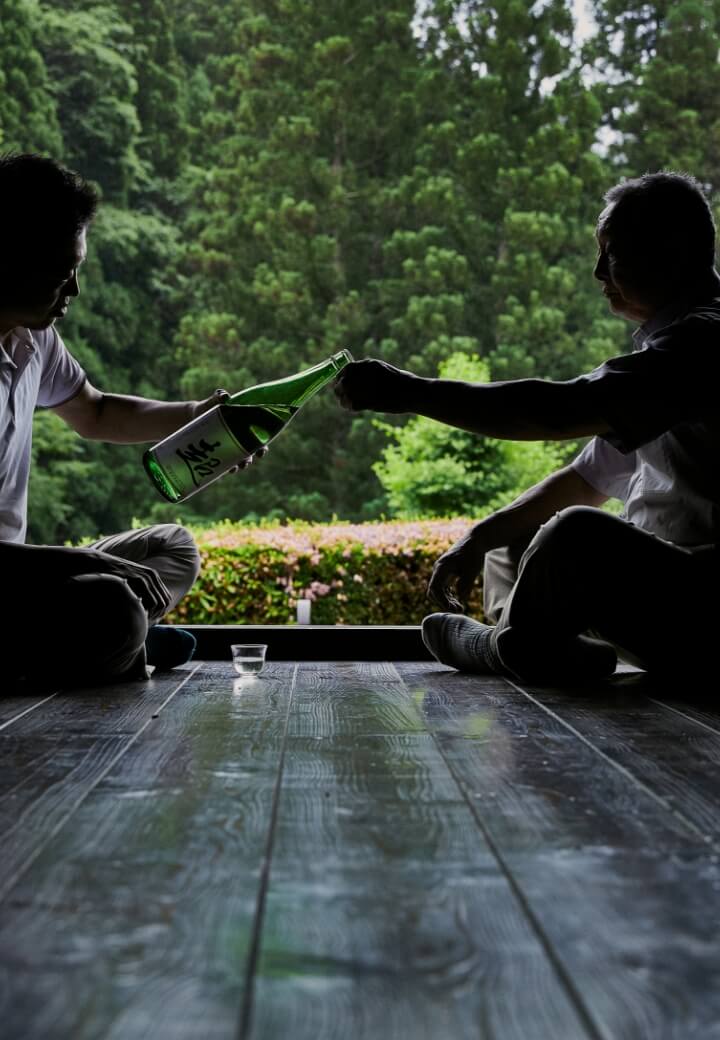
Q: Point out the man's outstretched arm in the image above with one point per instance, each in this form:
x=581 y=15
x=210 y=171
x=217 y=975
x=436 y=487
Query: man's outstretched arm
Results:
x=124 y=419
x=522 y=409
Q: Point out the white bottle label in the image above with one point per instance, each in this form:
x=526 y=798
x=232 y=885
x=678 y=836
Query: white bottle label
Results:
x=199 y=453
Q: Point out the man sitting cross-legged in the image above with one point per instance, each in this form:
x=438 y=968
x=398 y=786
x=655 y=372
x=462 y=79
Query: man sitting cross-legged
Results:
x=73 y=614
x=568 y=585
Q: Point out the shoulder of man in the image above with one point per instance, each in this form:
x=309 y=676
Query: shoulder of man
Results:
x=698 y=327
x=62 y=375
x=46 y=341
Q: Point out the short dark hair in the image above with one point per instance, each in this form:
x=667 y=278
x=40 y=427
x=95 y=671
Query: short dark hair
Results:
x=663 y=218
x=40 y=196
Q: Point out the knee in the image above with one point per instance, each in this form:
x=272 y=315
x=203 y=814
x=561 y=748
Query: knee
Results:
x=575 y=534
x=113 y=615
x=177 y=542
x=581 y=526
x=118 y=605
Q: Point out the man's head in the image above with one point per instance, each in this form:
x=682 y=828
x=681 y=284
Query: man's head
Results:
x=45 y=210
x=656 y=239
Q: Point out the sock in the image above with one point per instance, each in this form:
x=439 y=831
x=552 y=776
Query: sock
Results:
x=462 y=643
x=470 y=646
x=167 y=647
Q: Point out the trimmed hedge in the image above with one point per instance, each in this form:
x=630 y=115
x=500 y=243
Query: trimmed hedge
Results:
x=354 y=574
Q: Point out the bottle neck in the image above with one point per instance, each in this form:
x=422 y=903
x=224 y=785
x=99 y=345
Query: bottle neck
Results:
x=295 y=390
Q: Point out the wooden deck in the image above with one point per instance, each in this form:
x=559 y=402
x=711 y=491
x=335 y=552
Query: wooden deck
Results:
x=359 y=850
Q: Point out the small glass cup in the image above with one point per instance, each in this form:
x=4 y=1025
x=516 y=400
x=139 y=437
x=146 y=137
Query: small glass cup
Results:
x=249 y=658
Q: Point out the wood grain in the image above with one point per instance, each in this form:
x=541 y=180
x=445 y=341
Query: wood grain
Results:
x=51 y=757
x=675 y=754
x=451 y=857
x=13 y=708
x=626 y=889
x=387 y=915
x=137 y=917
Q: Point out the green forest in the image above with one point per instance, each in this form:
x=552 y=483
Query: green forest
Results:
x=281 y=179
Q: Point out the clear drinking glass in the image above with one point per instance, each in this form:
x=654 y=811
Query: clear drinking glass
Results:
x=249 y=658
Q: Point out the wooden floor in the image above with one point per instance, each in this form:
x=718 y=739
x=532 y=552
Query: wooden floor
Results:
x=357 y=851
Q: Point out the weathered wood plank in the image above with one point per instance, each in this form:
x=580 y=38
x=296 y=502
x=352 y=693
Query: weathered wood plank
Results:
x=671 y=753
x=627 y=891
x=137 y=919
x=691 y=698
x=50 y=758
x=387 y=915
x=13 y=708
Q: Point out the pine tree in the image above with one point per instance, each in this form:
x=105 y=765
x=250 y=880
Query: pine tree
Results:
x=160 y=100
x=314 y=109
x=660 y=84
x=95 y=84
x=519 y=186
x=28 y=118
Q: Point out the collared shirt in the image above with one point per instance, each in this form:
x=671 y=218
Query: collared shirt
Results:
x=661 y=455
x=36 y=370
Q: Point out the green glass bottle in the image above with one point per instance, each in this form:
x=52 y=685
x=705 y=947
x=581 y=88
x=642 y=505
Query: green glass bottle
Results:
x=207 y=447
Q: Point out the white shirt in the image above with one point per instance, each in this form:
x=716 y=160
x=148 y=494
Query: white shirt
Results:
x=36 y=370
x=662 y=455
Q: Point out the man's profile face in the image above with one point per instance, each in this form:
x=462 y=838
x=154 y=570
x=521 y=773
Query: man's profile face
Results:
x=42 y=292
x=624 y=281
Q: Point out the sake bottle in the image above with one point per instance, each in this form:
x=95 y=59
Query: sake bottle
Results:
x=207 y=447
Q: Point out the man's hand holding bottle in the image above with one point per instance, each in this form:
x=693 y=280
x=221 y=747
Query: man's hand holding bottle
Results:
x=373 y=384
x=223 y=397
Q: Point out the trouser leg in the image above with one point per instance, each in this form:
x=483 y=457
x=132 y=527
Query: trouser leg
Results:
x=500 y=571
x=588 y=570
x=95 y=632
x=96 y=625
x=168 y=548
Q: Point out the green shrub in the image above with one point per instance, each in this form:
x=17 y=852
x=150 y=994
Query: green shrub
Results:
x=369 y=574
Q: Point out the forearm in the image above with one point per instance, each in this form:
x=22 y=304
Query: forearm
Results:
x=522 y=409
x=520 y=520
x=123 y=419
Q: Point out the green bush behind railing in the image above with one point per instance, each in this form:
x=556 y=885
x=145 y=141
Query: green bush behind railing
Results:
x=353 y=574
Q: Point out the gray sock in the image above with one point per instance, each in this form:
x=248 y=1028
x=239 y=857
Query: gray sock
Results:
x=462 y=643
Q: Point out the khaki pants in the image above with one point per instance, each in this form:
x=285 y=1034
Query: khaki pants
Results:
x=92 y=628
x=590 y=573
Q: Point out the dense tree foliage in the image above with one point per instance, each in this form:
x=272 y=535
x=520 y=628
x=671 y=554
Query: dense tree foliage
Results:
x=281 y=179
x=660 y=86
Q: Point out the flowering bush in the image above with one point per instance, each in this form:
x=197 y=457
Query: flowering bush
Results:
x=354 y=574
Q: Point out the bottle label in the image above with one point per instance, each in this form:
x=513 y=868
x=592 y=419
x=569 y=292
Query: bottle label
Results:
x=199 y=452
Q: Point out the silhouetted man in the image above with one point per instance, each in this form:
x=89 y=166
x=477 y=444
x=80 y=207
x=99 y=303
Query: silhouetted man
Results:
x=568 y=585
x=73 y=614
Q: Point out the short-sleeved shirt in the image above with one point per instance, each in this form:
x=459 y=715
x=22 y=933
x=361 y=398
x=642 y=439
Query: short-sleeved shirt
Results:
x=36 y=370
x=661 y=456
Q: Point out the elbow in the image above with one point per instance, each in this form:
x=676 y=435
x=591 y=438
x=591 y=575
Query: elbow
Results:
x=89 y=424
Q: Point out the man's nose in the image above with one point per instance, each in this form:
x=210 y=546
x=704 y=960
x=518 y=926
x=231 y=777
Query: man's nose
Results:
x=71 y=287
x=601 y=270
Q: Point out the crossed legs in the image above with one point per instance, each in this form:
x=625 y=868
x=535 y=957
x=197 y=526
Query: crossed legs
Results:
x=95 y=626
x=589 y=585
